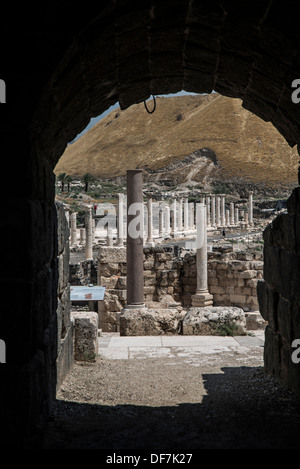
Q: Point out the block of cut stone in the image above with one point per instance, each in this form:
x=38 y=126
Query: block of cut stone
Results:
x=150 y=321
x=211 y=320
x=85 y=335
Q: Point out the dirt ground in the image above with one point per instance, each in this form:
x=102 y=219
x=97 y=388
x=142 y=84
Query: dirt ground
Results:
x=212 y=401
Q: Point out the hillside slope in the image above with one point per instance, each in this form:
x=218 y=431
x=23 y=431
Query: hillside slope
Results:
x=246 y=147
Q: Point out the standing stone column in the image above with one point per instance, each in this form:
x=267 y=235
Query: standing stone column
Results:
x=150 y=222
x=173 y=218
x=213 y=210
x=180 y=227
x=134 y=249
x=218 y=212
x=160 y=222
x=191 y=215
x=236 y=215
x=89 y=235
x=202 y=296
x=93 y=229
x=120 y=221
x=231 y=211
x=186 y=214
x=247 y=219
x=227 y=219
x=82 y=236
x=73 y=229
x=250 y=212
x=167 y=220
x=223 y=210
x=208 y=210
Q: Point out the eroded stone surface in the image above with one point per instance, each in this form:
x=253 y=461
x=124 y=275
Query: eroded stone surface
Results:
x=210 y=320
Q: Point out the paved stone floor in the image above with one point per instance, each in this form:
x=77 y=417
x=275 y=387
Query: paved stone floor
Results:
x=115 y=347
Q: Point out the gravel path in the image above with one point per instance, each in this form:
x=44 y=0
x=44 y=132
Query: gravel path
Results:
x=212 y=401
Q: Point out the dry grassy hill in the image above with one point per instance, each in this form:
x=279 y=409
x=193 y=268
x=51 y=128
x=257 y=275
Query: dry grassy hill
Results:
x=246 y=147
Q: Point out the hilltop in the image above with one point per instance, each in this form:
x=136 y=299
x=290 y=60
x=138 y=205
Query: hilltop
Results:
x=189 y=140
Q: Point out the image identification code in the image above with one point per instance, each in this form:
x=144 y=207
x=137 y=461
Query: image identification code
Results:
x=153 y=458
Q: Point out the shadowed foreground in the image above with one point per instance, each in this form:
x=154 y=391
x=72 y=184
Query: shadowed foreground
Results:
x=219 y=401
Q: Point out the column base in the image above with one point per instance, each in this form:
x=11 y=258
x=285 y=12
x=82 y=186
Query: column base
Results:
x=142 y=305
x=202 y=299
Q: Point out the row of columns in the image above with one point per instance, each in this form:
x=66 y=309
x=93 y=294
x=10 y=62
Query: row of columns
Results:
x=208 y=209
x=169 y=224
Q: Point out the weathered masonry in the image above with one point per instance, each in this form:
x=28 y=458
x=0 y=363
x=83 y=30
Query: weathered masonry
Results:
x=170 y=278
x=279 y=293
x=68 y=65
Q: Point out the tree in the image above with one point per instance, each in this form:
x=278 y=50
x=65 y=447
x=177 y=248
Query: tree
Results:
x=87 y=178
x=62 y=179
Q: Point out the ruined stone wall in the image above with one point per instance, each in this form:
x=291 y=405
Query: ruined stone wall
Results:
x=170 y=277
x=161 y=281
x=232 y=278
x=279 y=293
x=64 y=324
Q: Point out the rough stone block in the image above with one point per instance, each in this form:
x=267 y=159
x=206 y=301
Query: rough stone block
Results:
x=144 y=321
x=85 y=335
x=211 y=320
x=112 y=254
x=246 y=274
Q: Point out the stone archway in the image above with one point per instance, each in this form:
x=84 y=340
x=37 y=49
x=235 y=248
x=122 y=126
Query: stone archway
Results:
x=74 y=64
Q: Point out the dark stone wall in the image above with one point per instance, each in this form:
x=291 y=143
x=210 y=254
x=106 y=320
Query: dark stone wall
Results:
x=279 y=293
x=68 y=64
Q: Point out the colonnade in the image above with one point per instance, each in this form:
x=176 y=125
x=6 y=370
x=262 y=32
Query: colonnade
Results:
x=175 y=219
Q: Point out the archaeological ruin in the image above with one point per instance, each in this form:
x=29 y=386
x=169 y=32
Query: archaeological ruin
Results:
x=66 y=65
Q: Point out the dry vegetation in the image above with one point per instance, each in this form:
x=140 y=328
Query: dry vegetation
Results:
x=246 y=147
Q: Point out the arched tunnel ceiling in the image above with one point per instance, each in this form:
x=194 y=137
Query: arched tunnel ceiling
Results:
x=128 y=50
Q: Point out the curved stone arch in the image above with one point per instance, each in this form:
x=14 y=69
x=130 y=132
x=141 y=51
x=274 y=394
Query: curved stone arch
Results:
x=126 y=55
x=67 y=66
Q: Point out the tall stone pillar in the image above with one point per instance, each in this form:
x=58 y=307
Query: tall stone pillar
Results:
x=202 y=296
x=208 y=210
x=250 y=212
x=180 y=227
x=173 y=219
x=223 y=210
x=134 y=249
x=82 y=236
x=120 y=221
x=218 y=211
x=186 y=214
x=160 y=222
x=236 y=215
x=213 y=210
x=167 y=219
x=191 y=215
x=231 y=212
x=227 y=218
x=247 y=219
x=150 y=222
x=88 y=235
x=73 y=229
